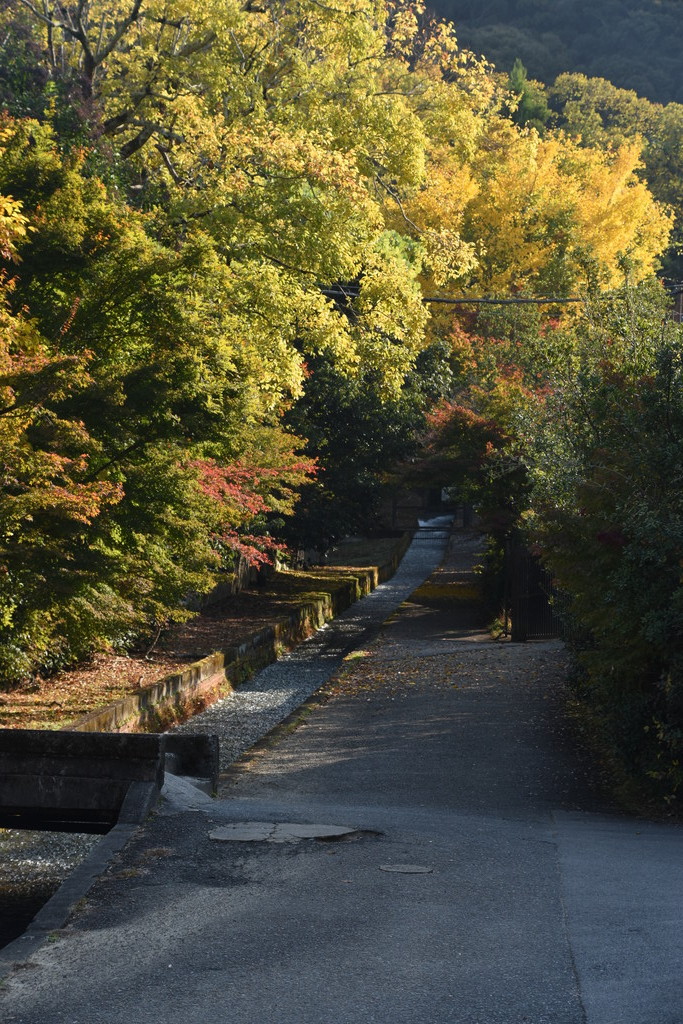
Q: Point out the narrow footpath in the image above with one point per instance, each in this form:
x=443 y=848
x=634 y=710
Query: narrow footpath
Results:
x=424 y=848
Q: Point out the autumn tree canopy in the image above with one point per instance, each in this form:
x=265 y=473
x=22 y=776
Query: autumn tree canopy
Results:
x=211 y=211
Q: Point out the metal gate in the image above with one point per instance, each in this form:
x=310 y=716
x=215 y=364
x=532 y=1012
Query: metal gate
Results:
x=534 y=606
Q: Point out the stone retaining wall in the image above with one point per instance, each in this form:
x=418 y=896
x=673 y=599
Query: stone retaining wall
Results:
x=176 y=697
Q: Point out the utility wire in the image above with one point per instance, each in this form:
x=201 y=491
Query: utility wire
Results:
x=338 y=293
x=499 y=302
x=675 y=288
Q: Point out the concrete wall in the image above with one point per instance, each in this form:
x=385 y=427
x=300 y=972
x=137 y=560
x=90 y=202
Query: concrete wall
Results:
x=87 y=782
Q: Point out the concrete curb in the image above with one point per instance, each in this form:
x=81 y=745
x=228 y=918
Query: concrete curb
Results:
x=176 y=697
x=59 y=907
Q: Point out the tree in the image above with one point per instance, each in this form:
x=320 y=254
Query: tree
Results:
x=600 y=114
x=551 y=217
x=245 y=214
x=596 y=113
x=357 y=435
x=138 y=448
x=532 y=108
x=294 y=145
x=607 y=512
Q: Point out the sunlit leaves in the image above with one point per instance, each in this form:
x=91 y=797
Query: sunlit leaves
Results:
x=553 y=217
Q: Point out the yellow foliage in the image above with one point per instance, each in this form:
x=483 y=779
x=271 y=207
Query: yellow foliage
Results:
x=551 y=217
x=298 y=136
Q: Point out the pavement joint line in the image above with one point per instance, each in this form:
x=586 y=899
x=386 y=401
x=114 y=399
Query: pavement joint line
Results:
x=565 y=927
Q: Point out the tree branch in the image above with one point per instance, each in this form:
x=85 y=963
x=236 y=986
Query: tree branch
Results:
x=197 y=46
x=119 y=31
x=391 y=191
x=135 y=144
x=119 y=457
x=167 y=163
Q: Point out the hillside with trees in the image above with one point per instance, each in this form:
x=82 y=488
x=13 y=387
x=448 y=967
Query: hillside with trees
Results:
x=635 y=44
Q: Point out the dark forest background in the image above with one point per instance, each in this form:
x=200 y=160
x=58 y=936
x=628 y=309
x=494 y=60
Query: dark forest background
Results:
x=636 y=44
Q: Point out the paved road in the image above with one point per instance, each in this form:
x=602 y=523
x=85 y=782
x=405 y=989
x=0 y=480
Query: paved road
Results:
x=527 y=900
x=261 y=703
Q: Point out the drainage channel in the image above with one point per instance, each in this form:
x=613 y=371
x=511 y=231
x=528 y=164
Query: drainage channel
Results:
x=33 y=865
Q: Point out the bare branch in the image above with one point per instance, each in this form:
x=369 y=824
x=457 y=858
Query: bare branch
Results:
x=119 y=31
x=117 y=458
x=237 y=44
x=136 y=143
x=168 y=165
x=391 y=191
x=113 y=124
x=333 y=10
x=100 y=36
x=198 y=45
x=45 y=16
x=157 y=129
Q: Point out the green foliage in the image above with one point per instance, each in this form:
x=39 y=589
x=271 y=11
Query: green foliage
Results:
x=600 y=113
x=357 y=436
x=362 y=440
x=610 y=520
x=218 y=226
x=128 y=463
x=531 y=107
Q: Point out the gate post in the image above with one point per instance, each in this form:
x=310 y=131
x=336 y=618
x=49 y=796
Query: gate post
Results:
x=519 y=594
